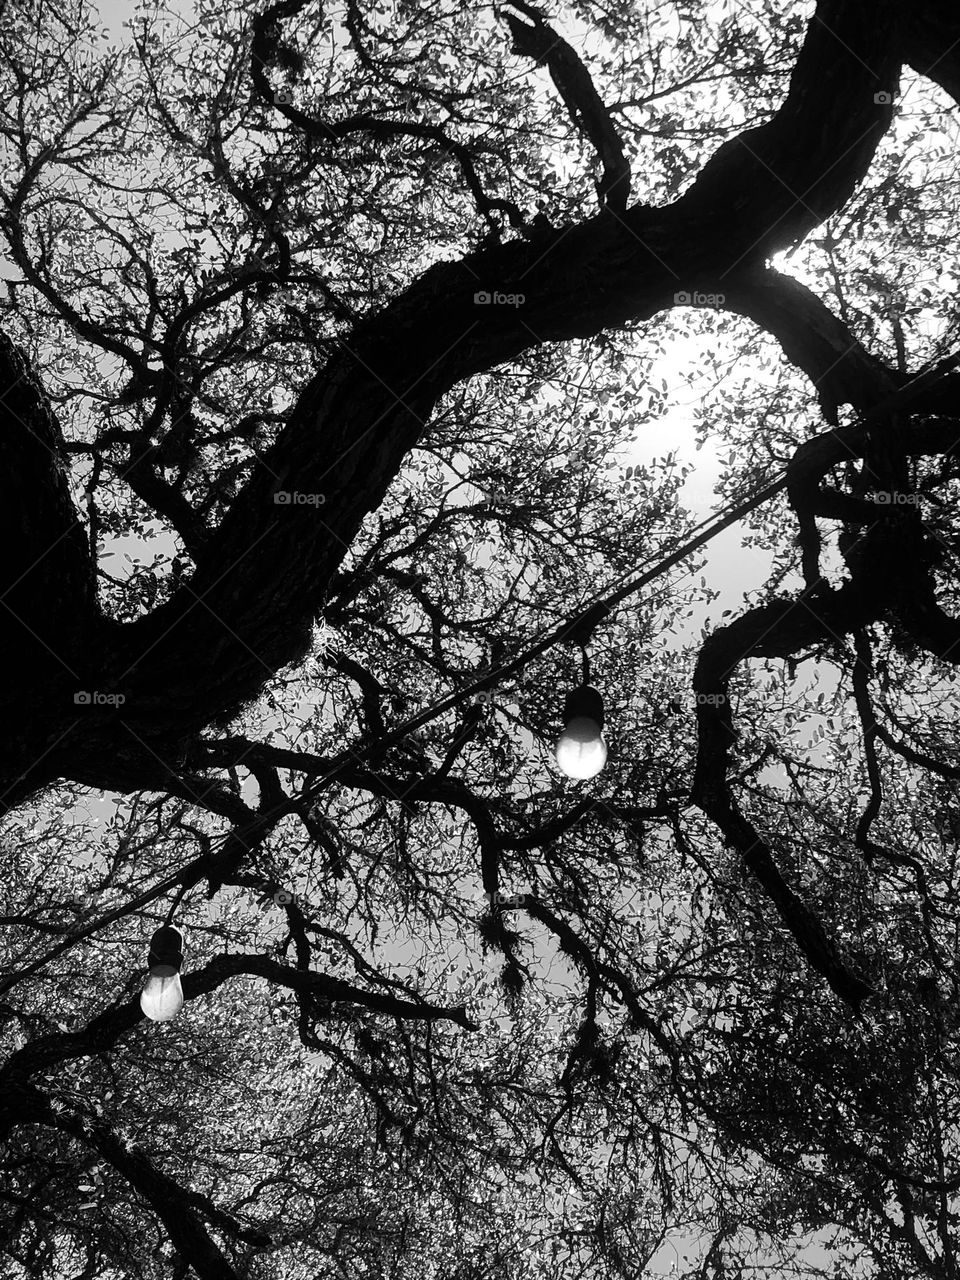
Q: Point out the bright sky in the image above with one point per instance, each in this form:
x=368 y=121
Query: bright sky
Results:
x=730 y=568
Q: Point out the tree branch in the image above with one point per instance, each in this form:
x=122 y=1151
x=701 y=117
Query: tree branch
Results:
x=48 y=606
x=177 y=1208
x=102 y=1032
x=262 y=49
x=538 y=40
x=263 y=574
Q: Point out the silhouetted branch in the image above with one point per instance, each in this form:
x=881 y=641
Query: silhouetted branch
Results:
x=537 y=39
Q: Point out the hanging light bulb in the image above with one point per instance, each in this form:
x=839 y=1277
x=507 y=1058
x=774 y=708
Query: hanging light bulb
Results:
x=581 y=750
x=162 y=995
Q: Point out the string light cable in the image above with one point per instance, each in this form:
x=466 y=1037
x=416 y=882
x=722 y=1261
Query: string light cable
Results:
x=570 y=630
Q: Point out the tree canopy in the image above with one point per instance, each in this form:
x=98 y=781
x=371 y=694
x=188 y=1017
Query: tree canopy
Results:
x=327 y=337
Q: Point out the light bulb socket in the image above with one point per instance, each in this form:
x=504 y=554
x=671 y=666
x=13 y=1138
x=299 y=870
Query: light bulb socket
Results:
x=582 y=628
x=585 y=700
x=166 y=951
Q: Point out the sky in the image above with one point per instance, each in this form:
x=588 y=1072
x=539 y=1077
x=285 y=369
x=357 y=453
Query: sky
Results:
x=730 y=568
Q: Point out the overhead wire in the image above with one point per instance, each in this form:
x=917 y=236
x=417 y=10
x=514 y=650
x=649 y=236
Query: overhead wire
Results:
x=587 y=617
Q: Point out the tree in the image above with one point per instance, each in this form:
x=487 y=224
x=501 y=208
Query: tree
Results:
x=352 y=314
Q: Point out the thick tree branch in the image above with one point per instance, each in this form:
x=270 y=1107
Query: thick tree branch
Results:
x=812 y=338
x=932 y=42
x=177 y=1208
x=806 y=161
x=868 y=728
x=397 y=363
x=537 y=39
x=775 y=630
x=103 y=1032
x=371 y=690
x=147 y=483
x=47 y=586
x=889 y=569
x=262 y=576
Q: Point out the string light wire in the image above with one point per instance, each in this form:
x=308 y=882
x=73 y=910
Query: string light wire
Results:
x=583 y=622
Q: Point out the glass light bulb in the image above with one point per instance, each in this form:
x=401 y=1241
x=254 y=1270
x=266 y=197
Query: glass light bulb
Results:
x=581 y=750
x=162 y=996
